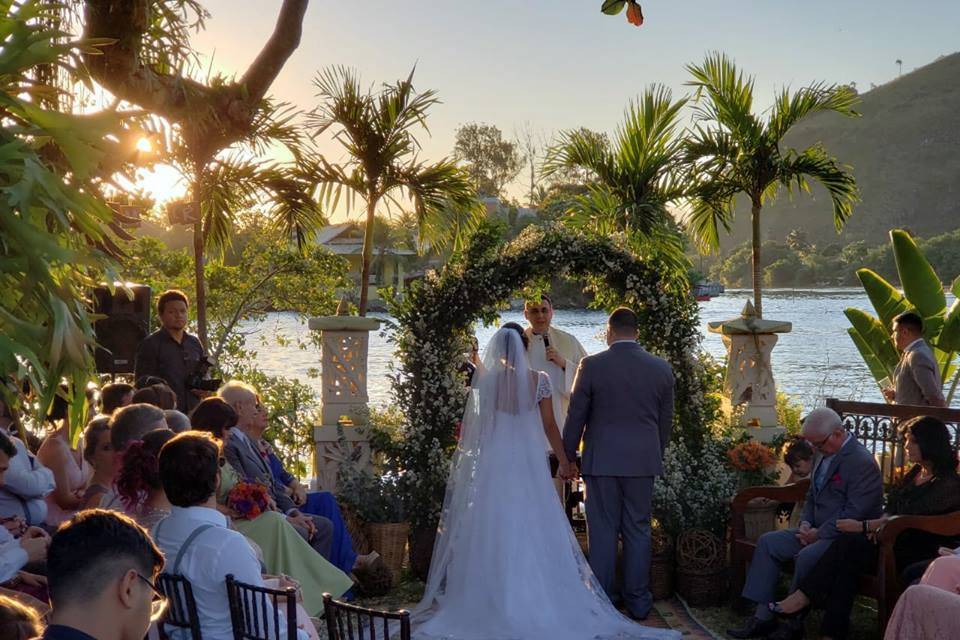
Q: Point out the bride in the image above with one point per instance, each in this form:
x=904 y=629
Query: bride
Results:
x=506 y=565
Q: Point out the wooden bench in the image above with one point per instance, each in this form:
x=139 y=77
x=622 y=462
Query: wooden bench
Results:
x=875 y=425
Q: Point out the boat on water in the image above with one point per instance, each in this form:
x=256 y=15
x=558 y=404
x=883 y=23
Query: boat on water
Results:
x=703 y=291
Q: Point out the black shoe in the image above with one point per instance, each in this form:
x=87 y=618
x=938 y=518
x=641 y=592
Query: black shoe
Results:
x=636 y=616
x=754 y=628
x=789 y=629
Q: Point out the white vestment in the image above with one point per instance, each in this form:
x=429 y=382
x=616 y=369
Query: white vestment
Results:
x=561 y=380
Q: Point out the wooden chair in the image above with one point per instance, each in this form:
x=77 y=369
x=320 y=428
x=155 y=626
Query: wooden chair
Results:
x=255 y=612
x=350 y=622
x=181 y=609
x=875 y=425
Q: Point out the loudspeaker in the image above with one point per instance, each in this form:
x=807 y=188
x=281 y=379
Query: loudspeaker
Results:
x=127 y=322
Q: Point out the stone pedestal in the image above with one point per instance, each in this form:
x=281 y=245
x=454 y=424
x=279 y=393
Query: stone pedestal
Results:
x=749 y=377
x=344 y=342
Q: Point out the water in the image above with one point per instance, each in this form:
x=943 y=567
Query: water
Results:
x=816 y=360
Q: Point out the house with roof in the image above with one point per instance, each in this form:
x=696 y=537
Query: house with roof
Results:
x=391 y=266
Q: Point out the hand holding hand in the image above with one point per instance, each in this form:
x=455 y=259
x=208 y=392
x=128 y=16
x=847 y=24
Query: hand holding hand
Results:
x=15 y=525
x=807 y=536
x=36 y=547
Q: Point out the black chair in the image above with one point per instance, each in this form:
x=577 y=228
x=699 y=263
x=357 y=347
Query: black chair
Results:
x=350 y=622
x=255 y=611
x=181 y=609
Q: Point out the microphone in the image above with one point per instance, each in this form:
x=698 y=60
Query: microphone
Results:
x=546 y=341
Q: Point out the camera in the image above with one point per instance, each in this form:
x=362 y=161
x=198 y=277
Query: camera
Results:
x=198 y=378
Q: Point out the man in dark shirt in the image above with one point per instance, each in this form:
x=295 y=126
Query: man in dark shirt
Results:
x=170 y=352
x=101 y=572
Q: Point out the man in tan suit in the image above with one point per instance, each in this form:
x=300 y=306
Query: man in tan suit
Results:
x=916 y=380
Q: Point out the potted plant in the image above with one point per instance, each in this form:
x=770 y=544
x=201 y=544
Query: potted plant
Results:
x=755 y=464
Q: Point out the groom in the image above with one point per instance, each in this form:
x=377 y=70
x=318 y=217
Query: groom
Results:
x=622 y=409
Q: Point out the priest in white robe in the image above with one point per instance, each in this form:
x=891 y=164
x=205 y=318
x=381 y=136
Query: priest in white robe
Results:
x=553 y=351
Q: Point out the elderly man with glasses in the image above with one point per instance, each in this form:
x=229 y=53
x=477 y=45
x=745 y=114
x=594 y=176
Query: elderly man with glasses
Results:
x=846 y=483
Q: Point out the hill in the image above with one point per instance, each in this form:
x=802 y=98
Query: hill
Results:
x=905 y=154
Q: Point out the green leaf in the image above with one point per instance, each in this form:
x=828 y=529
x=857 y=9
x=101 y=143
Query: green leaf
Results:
x=876 y=338
x=921 y=285
x=877 y=369
x=949 y=338
x=613 y=7
x=887 y=301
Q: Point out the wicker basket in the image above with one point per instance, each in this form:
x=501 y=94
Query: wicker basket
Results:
x=390 y=541
x=700 y=571
x=356 y=530
x=662 y=565
x=760 y=517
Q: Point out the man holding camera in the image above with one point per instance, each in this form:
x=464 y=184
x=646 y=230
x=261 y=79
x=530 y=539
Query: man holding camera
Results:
x=175 y=355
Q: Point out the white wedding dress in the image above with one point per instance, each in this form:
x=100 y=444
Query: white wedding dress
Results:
x=506 y=565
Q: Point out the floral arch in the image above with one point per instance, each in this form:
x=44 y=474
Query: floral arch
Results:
x=435 y=315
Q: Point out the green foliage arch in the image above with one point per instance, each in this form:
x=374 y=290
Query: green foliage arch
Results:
x=436 y=314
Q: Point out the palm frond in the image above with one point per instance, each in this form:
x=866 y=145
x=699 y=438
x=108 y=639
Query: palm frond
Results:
x=789 y=108
x=814 y=163
x=729 y=96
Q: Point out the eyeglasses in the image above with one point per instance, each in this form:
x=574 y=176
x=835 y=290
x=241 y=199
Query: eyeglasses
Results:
x=818 y=445
x=159 y=603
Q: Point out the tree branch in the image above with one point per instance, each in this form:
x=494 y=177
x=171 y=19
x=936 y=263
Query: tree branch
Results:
x=212 y=117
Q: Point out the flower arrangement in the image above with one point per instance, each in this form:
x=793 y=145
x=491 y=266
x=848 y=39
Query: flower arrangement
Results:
x=249 y=499
x=754 y=462
x=435 y=315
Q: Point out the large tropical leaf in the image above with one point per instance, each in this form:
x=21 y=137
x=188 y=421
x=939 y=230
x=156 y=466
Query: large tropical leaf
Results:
x=886 y=299
x=875 y=337
x=877 y=369
x=921 y=285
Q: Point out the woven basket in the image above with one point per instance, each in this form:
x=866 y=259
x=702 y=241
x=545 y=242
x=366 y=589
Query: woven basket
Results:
x=700 y=571
x=760 y=517
x=356 y=530
x=662 y=565
x=390 y=541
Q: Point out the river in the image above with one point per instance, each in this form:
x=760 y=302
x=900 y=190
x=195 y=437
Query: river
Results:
x=816 y=360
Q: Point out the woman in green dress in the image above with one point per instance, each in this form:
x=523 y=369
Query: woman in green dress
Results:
x=284 y=550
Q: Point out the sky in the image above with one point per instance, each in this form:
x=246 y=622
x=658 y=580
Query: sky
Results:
x=561 y=64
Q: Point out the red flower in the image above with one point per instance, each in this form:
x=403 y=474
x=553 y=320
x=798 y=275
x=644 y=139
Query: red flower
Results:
x=634 y=14
x=836 y=479
x=249 y=499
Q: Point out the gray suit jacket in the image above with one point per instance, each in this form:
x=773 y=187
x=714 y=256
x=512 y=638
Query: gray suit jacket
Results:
x=251 y=466
x=853 y=488
x=622 y=408
x=917 y=377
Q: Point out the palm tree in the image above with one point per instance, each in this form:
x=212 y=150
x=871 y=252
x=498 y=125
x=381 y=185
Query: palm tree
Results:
x=732 y=151
x=233 y=180
x=633 y=178
x=376 y=131
x=899 y=64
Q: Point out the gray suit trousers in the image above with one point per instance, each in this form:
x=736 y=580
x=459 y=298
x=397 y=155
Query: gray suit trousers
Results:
x=620 y=507
x=322 y=541
x=773 y=549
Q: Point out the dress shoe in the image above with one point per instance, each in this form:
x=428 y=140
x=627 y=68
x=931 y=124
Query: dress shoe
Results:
x=754 y=628
x=635 y=616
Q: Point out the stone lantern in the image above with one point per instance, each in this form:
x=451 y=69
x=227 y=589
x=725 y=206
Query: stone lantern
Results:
x=749 y=378
x=344 y=342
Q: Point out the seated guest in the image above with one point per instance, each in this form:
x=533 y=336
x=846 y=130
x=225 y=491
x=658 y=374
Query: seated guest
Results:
x=283 y=550
x=944 y=572
x=57 y=454
x=98 y=453
x=320 y=503
x=18 y=622
x=25 y=488
x=243 y=454
x=846 y=484
x=159 y=395
x=195 y=536
x=128 y=424
x=931 y=487
x=924 y=612
x=176 y=421
x=102 y=569
x=138 y=479
x=115 y=395
x=799 y=457
x=33 y=541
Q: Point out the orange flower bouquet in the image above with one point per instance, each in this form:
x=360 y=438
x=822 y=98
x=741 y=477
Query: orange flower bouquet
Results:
x=754 y=462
